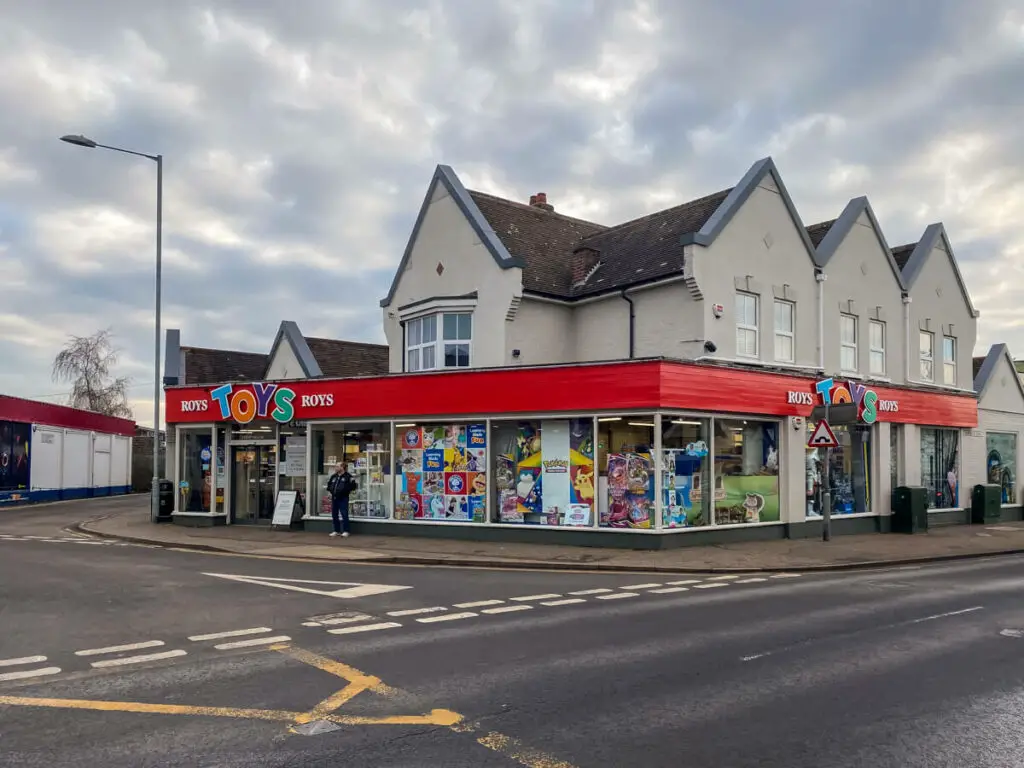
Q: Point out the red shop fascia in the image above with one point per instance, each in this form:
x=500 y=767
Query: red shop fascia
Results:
x=638 y=385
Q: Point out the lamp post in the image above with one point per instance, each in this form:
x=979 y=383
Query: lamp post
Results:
x=82 y=141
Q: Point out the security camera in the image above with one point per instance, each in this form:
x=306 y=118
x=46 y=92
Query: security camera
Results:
x=710 y=347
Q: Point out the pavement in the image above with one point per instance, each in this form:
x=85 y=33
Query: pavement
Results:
x=119 y=654
x=128 y=519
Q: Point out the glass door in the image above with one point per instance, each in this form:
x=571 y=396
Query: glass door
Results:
x=253 y=477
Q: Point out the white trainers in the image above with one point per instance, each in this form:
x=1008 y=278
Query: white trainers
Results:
x=345 y=534
x=334 y=533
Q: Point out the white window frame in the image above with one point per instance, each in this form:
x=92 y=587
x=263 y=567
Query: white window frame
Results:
x=876 y=350
x=926 y=357
x=847 y=345
x=950 y=363
x=783 y=334
x=748 y=327
x=438 y=344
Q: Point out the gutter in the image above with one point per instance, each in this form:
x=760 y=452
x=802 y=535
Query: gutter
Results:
x=632 y=322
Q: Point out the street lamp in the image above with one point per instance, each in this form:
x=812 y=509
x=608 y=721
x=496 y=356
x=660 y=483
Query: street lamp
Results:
x=82 y=141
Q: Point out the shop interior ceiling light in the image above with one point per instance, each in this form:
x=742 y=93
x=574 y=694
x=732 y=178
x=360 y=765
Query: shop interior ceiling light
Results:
x=611 y=418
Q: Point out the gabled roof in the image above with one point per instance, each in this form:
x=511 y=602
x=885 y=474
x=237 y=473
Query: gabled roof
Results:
x=901 y=254
x=446 y=177
x=818 y=231
x=290 y=334
x=214 y=366
x=341 y=359
x=935 y=234
x=989 y=363
x=837 y=233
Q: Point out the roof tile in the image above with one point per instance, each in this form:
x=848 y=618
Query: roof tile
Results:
x=901 y=253
x=818 y=231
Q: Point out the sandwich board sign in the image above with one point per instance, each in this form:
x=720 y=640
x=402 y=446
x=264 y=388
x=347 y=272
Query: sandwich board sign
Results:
x=822 y=437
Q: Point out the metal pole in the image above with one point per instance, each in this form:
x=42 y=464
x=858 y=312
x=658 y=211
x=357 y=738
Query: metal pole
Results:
x=826 y=494
x=155 y=510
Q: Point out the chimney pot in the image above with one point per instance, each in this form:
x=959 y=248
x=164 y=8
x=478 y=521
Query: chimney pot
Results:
x=542 y=197
x=533 y=199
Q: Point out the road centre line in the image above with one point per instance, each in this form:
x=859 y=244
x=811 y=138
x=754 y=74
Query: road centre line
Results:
x=669 y=590
x=725 y=577
x=364 y=628
x=120 y=648
x=946 y=615
x=710 y=585
x=339 y=620
x=785 y=576
x=447 y=617
x=640 y=586
x=252 y=642
x=25 y=674
x=138 y=659
x=478 y=603
x=752 y=581
x=565 y=601
x=525 y=598
x=22 y=660
x=231 y=633
x=417 y=611
x=600 y=591
x=618 y=596
x=507 y=609
x=683 y=582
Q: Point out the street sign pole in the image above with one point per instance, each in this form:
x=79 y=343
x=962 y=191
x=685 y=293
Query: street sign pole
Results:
x=826 y=501
x=824 y=437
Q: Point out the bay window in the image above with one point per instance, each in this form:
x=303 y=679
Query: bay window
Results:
x=426 y=349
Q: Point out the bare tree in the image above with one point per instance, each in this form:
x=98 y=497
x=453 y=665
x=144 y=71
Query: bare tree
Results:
x=85 y=362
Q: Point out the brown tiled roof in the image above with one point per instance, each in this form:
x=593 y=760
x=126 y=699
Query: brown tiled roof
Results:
x=349 y=358
x=977 y=362
x=213 y=366
x=818 y=231
x=544 y=239
x=901 y=253
x=632 y=252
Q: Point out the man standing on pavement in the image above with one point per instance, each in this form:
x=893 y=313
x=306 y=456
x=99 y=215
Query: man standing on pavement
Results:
x=340 y=486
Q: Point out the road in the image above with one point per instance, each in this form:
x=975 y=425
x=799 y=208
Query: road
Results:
x=122 y=655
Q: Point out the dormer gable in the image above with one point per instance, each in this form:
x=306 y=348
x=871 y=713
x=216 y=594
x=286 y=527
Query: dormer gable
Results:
x=857 y=210
x=935 y=239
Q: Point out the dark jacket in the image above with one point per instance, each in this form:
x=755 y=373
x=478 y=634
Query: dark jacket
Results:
x=340 y=486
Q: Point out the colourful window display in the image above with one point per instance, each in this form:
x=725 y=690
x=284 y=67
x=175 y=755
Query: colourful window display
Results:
x=746 y=471
x=685 y=472
x=1001 y=464
x=443 y=472
x=544 y=472
x=15 y=439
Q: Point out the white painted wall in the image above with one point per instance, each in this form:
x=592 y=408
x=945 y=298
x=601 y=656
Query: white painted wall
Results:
x=669 y=322
x=77 y=461
x=45 y=460
x=602 y=330
x=284 y=365
x=543 y=332
x=1000 y=409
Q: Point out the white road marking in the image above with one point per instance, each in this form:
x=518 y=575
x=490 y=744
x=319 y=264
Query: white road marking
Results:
x=342 y=620
x=350 y=589
x=1011 y=632
x=417 y=611
x=231 y=633
x=87 y=541
x=252 y=642
x=712 y=585
x=945 y=615
x=364 y=628
x=641 y=586
x=120 y=648
x=601 y=591
x=724 y=577
x=669 y=590
x=755 y=656
x=447 y=617
x=525 y=598
x=785 y=576
x=683 y=582
x=567 y=601
x=479 y=603
x=22 y=660
x=618 y=596
x=28 y=673
x=508 y=609
x=752 y=581
x=138 y=659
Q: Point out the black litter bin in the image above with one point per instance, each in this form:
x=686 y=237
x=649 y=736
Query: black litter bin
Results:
x=166 y=508
x=909 y=510
x=985 y=503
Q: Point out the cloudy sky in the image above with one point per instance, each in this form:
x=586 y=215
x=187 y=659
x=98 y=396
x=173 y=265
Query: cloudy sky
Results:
x=300 y=137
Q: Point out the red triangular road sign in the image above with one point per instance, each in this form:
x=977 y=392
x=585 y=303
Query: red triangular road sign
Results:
x=823 y=436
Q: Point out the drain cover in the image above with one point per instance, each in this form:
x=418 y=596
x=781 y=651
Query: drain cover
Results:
x=316 y=727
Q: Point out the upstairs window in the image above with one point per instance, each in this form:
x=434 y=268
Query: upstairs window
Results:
x=848 y=343
x=876 y=341
x=426 y=351
x=785 y=339
x=949 y=361
x=458 y=336
x=421 y=344
x=927 y=346
x=746 y=325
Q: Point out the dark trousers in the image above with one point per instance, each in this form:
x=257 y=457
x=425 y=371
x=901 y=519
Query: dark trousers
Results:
x=339 y=509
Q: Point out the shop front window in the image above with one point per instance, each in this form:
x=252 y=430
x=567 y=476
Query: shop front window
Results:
x=746 y=454
x=442 y=472
x=1001 y=451
x=685 y=471
x=15 y=439
x=940 y=460
x=849 y=466
x=366 y=449
x=292 y=450
x=195 y=473
x=544 y=472
x=625 y=460
x=895 y=436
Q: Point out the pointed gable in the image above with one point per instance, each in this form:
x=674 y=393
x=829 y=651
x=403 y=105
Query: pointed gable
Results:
x=997 y=382
x=290 y=356
x=935 y=238
x=842 y=227
x=445 y=177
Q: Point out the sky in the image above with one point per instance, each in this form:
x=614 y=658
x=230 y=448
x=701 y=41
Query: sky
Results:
x=299 y=139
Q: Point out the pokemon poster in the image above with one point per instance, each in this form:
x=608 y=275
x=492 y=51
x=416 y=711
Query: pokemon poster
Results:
x=442 y=477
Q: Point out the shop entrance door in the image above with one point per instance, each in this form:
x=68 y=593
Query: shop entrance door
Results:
x=253 y=476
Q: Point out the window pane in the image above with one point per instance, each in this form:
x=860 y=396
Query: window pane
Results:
x=849 y=359
x=784 y=348
x=456 y=355
x=784 y=316
x=451 y=327
x=746 y=473
x=1001 y=464
x=414 y=360
x=465 y=326
x=746 y=342
x=949 y=374
x=926 y=344
x=429 y=329
x=877 y=362
x=940 y=460
x=877 y=335
x=428 y=358
x=746 y=309
x=413 y=332
x=926 y=370
x=848 y=329
x=948 y=349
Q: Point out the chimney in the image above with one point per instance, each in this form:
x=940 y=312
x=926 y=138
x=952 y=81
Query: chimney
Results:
x=581 y=264
x=540 y=200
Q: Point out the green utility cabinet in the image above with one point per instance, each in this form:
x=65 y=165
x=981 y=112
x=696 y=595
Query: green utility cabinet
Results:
x=909 y=510
x=985 y=504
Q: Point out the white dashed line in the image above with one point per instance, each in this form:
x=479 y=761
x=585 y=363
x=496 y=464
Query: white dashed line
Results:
x=339 y=620
x=785 y=576
x=535 y=597
x=669 y=590
x=752 y=581
x=683 y=582
x=725 y=577
x=567 y=601
x=618 y=596
x=22 y=660
x=232 y=633
x=364 y=628
x=641 y=586
x=417 y=611
x=28 y=673
x=601 y=591
x=252 y=642
x=447 y=617
x=138 y=659
x=120 y=648
x=712 y=585
x=479 y=603
x=507 y=609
